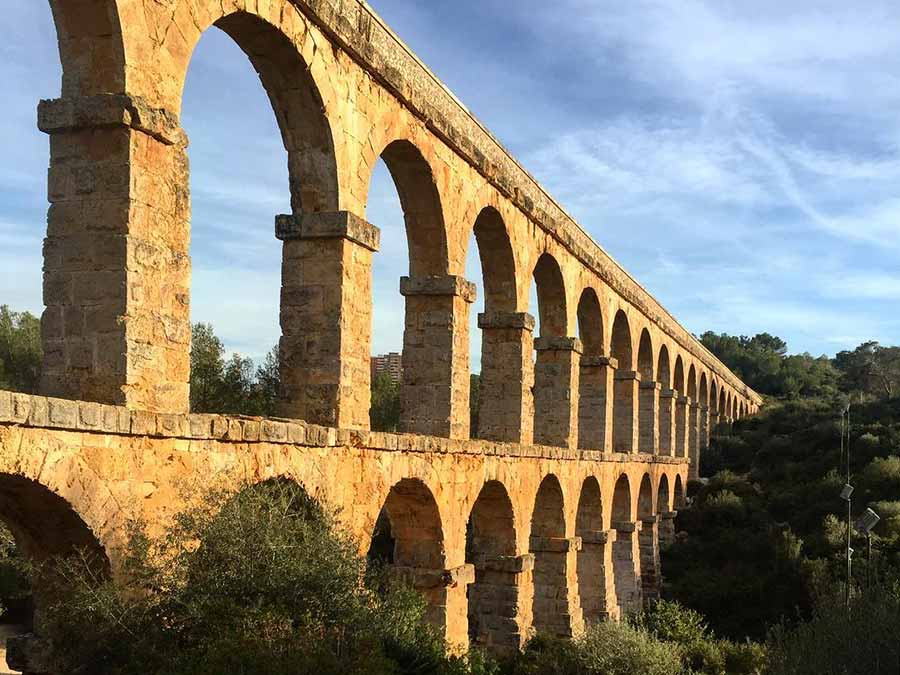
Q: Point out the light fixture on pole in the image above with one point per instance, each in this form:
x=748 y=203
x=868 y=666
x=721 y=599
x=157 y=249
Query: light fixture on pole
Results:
x=864 y=525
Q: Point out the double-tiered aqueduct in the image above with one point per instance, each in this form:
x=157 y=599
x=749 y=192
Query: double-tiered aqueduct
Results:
x=585 y=443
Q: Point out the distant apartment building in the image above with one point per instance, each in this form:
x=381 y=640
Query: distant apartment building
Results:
x=391 y=363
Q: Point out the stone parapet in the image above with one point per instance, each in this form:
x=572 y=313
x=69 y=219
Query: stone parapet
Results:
x=43 y=412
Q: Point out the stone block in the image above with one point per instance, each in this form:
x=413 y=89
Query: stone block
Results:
x=63 y=413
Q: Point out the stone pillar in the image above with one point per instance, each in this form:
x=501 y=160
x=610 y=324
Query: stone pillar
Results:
x=667 y=528
x=117 y=271
x=649 y=551
x=625 y=411
x=506 y=410
x=667 y=398
x=704 y=426
x=681 y=427
x=557 y=607
x=556 y=391
x=595 y=403
x=445 y=594
x=434 y=389
x=501 y=602
x=596 y=582
x=649 y=417
x=626 y=564
x=326 y=317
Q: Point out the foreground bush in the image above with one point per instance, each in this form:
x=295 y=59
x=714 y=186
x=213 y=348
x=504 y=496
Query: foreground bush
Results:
x=605 y=649
x=864 y=641
x=272 y=587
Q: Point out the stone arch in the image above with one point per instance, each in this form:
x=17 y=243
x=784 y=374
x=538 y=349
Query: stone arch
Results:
x=590 y=324
x=498 y=262
x=692 y=431
x=555 y=416
x=678 y=376
x=663 y=503
x=664 y=368
x=593 y=380
x=692 y=384
x=648 y=397
x=551 y=295
x=648 y=540
x=714 y=398
x=592 y=567
x=46 y=527
x=703 y=391
x=499 y=324
x=625 y=548
x=723 y=405
x=293 y=91
x=645 y=357
x=423 y=214
x=625 y=396
x=645 y=498
x=678 y=493
x=620 y=342
x=409 y=538
x=621 y=505
x=91 y=46
x=491 y=549
x=549 y=546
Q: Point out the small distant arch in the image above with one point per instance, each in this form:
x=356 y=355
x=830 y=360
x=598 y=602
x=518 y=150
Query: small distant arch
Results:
x=645 y=356
x=678 y=492
x=621 y=508
x=663 y=368
x=645 y=498
x=590 y=323
x=498 y=263
x=663 y=497
x=620 y=344
x=551 y=295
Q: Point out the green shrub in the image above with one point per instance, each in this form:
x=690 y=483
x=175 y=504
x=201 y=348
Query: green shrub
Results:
x=862 y=641
x=261 y=582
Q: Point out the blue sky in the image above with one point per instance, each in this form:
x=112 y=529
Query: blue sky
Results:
x=741 y=160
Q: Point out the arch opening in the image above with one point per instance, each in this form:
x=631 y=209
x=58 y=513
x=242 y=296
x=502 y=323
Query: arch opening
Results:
x=408 y=538
x=594 y=383
x=550 y=608
x=593 y=573
x=625 y=548
x=626 y=384
x=491 y=549
x=556 y=362
x=492 y=400
x=648 y=542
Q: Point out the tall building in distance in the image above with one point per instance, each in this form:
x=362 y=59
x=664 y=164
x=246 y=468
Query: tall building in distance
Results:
x=390 y=363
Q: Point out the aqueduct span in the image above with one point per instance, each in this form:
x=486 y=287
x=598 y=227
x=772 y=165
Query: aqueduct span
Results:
x=584 y=443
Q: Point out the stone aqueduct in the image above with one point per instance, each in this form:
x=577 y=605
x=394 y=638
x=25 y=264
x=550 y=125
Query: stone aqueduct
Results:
x=584 y=443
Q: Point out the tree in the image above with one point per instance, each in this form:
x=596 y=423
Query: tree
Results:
x=258 y=582
x=235 y=386
x=384 y=414
x=20 y=350
x=871 y=369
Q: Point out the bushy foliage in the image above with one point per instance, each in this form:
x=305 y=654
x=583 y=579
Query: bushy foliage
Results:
x=861 y=640
x=20 y=351
x=262 y=582
x=605 y=649
x=384 y=413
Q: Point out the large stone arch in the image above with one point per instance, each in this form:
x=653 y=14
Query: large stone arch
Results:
x=648 y=396
x=46 y=527
x=664 y=368
x=667 y=402
x=91 y=46
x=552 y=610
x=678 y=496
x=423 y=212
x=409 y=538
x=556 y=364
x=493 y=616
x=625 y=400
x=551 y=297
x=594 y=377
x=625 y=547
x=594 y=568
x=648 y=540
x=504 y=332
